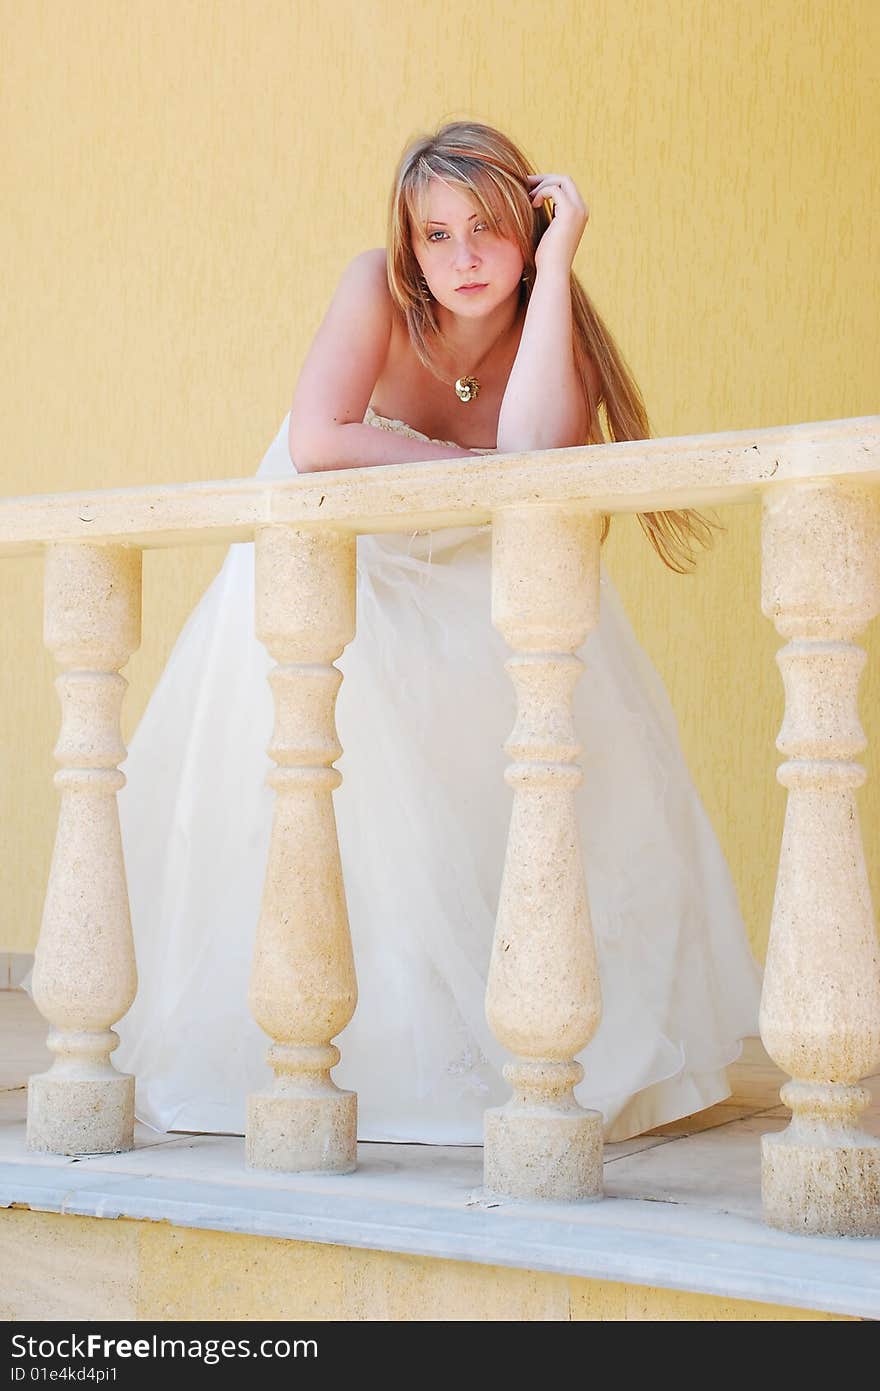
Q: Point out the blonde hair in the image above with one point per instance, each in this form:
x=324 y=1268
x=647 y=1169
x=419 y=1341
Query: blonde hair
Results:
x=494 y=171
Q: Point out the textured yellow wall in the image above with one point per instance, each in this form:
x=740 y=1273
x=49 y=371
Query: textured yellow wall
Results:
x=183 y=181
x=67 y=1267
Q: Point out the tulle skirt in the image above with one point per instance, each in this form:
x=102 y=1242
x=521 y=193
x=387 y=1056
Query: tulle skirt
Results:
x=422 y=814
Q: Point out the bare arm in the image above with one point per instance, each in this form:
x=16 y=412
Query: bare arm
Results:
x=360 y=446
x=338 y=376
x=544 y=406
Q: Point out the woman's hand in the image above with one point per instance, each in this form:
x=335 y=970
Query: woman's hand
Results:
x=570 y=216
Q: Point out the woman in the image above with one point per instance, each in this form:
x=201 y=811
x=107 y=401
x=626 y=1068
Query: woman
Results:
x=469 y=334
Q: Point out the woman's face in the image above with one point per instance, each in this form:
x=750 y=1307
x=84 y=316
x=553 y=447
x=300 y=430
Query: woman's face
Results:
x=458 y=248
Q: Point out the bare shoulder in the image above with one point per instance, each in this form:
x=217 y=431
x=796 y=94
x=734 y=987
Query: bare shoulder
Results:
x=345 y=359
x=362 y=310
x=374 y=260
x=367 y=274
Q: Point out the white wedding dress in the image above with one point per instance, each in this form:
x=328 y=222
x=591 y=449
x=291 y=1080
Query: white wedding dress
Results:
x=422 y=813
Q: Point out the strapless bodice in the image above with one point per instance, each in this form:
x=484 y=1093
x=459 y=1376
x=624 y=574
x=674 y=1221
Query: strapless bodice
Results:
x=400 y=427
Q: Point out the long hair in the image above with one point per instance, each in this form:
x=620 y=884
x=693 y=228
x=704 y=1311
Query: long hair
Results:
x=494 y=171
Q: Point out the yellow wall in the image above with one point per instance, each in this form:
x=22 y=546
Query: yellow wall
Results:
x=67 y=1268
x=183 y=181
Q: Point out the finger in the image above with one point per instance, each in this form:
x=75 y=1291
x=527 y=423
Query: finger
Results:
x=544 y=181
x=548 y=181
x=561 y=198
x=560 y=183
x=554 y=188
x=552 y=195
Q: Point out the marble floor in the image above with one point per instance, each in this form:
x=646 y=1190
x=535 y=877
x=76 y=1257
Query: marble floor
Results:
x=682 y=1205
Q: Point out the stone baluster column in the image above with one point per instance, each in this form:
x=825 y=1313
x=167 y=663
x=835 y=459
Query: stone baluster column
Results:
x=820 y=1006
x=303 y=989
x=84 y=975
x=543 y=1000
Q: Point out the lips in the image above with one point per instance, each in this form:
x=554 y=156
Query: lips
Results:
x=477 y=285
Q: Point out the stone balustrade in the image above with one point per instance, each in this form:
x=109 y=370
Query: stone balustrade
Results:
x=819 y=489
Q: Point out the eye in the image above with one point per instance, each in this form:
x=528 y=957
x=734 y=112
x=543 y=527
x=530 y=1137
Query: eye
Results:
x=438 y=233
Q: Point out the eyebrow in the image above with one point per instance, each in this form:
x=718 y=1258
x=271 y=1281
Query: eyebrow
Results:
x=444 y=224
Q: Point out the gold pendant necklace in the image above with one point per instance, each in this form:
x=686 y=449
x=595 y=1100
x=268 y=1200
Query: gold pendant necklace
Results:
x=467 y=388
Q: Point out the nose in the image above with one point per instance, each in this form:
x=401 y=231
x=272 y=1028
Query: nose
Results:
x=465 y=254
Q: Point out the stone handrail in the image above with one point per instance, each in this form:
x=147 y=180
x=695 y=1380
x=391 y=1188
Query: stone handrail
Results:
x=633 y=476
x=819 y=488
